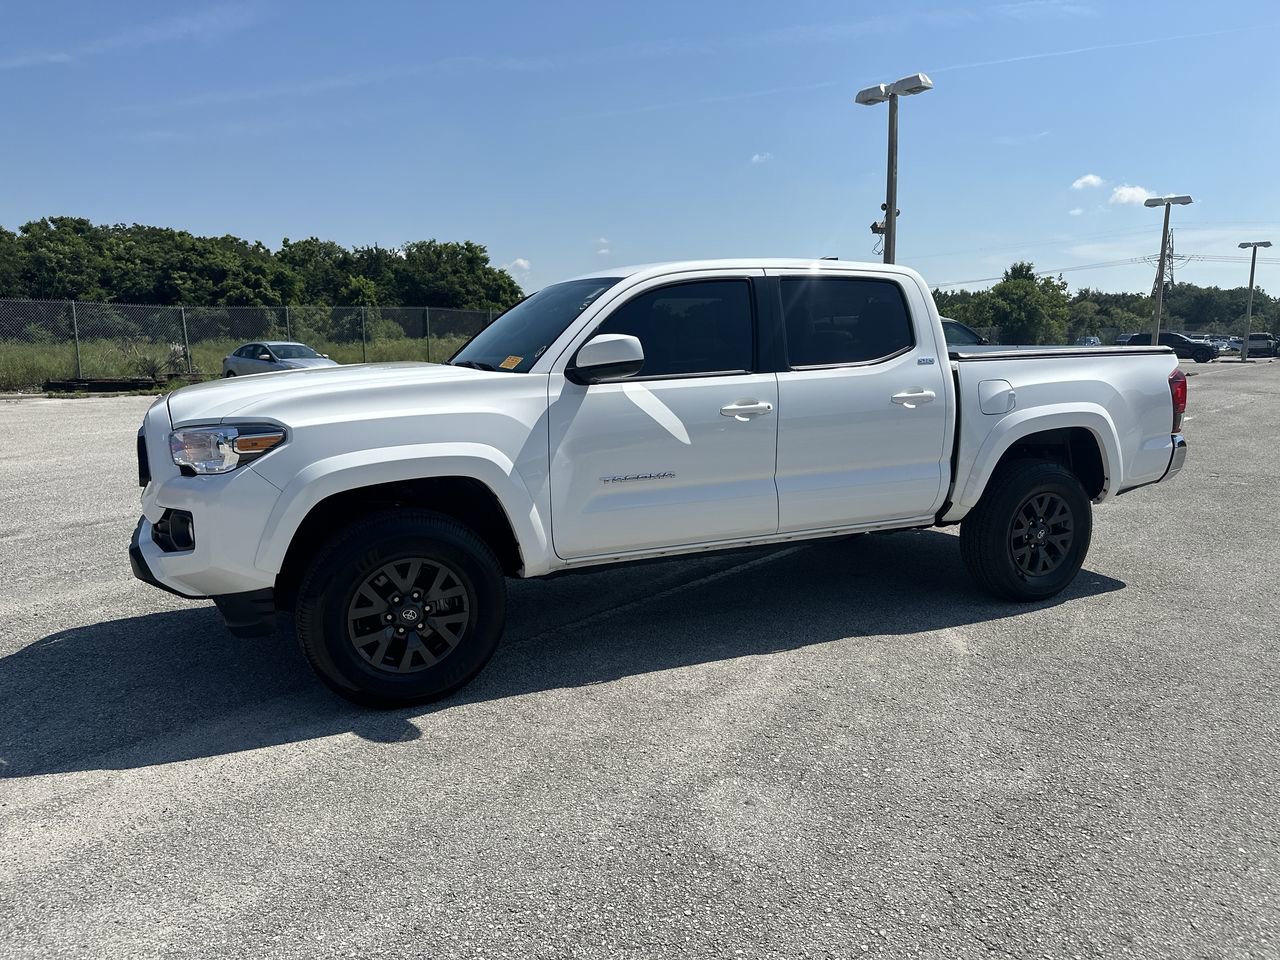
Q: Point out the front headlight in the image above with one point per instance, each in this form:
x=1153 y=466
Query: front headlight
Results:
x=220 y=449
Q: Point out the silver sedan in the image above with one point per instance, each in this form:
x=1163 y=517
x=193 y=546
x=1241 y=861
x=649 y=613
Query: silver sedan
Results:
x=264 y=356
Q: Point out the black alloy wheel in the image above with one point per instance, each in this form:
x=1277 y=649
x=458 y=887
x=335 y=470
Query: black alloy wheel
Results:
x=402 y=607
x=1041 y=534
x=1027 y=538
x=408 y=615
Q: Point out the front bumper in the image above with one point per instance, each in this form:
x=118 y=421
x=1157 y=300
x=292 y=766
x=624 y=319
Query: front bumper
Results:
x=248 y=614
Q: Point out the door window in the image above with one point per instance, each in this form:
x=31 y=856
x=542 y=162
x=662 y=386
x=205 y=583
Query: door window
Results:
x=838 y=320
x=703 y=327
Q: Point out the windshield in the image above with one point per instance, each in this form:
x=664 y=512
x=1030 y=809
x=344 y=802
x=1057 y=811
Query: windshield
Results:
x=515 y=340
x=293 y=351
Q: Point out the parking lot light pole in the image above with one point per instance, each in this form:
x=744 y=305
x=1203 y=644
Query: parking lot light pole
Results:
x=1248 y=317
x=1165 y=202
x=880 y=93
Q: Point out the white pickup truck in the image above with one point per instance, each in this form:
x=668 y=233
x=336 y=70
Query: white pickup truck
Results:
x=640 y=413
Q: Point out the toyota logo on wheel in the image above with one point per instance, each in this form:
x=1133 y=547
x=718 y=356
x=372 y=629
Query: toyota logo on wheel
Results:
x=409 y=616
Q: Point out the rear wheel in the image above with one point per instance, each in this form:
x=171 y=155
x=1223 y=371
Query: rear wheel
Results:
x=1028 y=536
x=404 y=608
x=1202 y=356
x=229 y=373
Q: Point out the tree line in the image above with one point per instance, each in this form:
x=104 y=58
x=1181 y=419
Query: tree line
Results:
x=1029 y=309
x=70 y=258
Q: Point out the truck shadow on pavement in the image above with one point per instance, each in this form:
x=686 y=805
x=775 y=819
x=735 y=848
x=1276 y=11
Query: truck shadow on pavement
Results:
x=174 y=685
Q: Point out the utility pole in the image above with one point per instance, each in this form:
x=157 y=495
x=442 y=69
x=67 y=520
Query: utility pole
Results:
x=1248 y=318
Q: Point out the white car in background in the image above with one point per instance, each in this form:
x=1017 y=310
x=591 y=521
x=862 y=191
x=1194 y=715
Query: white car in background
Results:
x=267 y=356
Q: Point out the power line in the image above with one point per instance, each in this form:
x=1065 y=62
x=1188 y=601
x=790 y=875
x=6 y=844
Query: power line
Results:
x=1057 y=270
x=1103 y=264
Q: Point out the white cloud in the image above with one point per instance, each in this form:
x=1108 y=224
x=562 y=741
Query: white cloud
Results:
x=207 y=24
x=1019 y=140
x=602 y=241
x=1032 y=10
x=1127 y=193
x=1088 y=180
x=1075 y=211
x=759 y=158
x=519 y=263
x=603 y=252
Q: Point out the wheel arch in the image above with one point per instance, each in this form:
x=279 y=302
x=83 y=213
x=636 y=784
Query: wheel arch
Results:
x=482 y=491
x=1085 y=441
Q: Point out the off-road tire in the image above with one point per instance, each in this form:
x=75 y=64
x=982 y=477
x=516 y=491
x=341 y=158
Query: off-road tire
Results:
x=987 y=534
x=329 y=588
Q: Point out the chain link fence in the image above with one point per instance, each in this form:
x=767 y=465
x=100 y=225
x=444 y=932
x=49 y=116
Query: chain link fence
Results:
x=43 y=340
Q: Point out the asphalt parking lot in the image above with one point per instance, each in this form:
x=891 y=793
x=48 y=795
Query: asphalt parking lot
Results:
x=836 y=749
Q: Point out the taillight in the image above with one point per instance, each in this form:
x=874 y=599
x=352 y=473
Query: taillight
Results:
x=1178 y=391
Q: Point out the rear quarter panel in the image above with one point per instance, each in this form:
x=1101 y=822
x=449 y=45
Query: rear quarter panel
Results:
x=1120 y=395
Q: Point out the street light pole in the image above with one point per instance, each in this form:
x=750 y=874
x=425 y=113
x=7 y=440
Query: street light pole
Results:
x=1166 y=202
x=1164 y=249
x=1248 y=317
x=882 y=93
x=891 y=187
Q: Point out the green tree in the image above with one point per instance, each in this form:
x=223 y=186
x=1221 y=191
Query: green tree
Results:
x=1027 y=309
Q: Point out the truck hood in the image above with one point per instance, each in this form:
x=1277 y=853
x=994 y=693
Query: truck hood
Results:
x=275 y=394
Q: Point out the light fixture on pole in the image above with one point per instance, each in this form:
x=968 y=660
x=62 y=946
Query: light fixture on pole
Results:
x=1248 y=317
x=1166 y=202
x=881 y=92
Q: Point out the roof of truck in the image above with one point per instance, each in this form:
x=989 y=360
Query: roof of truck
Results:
x=748 y=263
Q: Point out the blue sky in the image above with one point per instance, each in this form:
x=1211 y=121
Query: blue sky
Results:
x=570 y=136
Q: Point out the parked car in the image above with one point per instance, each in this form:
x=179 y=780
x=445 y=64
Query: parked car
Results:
x=958 y=335
x=1088 y=342
x=635 y=414
x=264 y=356
x=1263 y=345
x=1123 y=339
x=1183 y=346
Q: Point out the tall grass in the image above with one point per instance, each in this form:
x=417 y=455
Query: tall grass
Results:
x=26 y=366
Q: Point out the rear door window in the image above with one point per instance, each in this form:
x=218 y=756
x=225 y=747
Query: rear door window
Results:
x=840 y=320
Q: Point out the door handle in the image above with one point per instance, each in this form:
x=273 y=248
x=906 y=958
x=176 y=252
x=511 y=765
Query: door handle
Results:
x=746 y=409
x=910 y=398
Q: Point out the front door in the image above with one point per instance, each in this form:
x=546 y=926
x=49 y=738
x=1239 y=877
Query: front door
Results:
x=683 y=452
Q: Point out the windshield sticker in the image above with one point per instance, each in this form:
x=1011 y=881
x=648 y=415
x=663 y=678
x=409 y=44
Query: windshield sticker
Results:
x=510 y=363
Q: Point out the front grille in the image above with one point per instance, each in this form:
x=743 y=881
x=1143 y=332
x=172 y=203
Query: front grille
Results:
x=144 y=466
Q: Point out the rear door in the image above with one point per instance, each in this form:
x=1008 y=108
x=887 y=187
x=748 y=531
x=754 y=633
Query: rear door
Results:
x=863 y=403
x=683 y=452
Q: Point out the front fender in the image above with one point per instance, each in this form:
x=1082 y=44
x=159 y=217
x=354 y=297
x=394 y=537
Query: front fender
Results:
x=365 y=468
x=1020 y=424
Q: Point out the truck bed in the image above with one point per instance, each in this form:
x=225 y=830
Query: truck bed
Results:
x=1119 y=394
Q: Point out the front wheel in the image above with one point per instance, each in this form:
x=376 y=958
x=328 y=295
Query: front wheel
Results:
x=1202 y=356
x=1028 y=536
x=403 y=608
x=229 y=373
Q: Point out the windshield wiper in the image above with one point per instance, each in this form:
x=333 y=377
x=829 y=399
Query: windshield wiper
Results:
x=474 y=365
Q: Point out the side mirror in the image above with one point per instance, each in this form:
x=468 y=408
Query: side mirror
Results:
x=264 y=356
x=983 y=340
x=324 y=356
x=607 y=357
